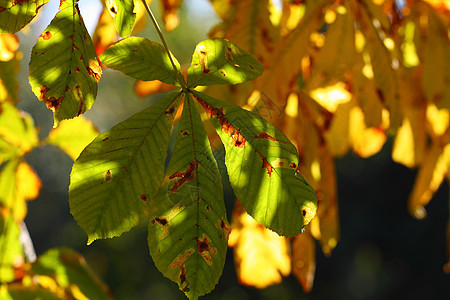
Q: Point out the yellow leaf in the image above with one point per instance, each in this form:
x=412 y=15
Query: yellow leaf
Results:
x=9 y=43
x=438 y=118
x=365 y=141
x=105 y=32
x=337 y=135
x=73 y=135
x=304 y=260
x=28 y=182
x=432 y=172
x=141 y=16
x=261 y=255
x=331 y=96
x=403 y=149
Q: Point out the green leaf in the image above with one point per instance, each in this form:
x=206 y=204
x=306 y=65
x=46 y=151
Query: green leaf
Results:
x=64 y=69
x=142 y=59
x=188 y=229
x=262 y=165
x=10 y=248
x=14 y=15
x=124 y=17
x=69 y=268
x=72 y=136
x=119 y=170
x=18 y=135
x=217 y=61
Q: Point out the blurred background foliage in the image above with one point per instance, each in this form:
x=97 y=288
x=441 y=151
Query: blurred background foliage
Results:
x=383 y=251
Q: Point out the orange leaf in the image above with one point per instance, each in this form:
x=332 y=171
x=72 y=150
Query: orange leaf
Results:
x=105 y=32
x=304 y=260
x=9 y=43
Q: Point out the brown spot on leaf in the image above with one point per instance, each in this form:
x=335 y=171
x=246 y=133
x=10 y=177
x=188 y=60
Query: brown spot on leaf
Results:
x=203 y=58
x=106 y=139
x=251 y=67
x=162 y=221
x=293 y=165
x=179 y=262
x=53 y=103
x=264 y=135
x=204 y=248
x=143 y=197
x=46 y=35
x=208 y=208
x=221 y=224
x=113 y=9
x=381 y=95
x=77 y=70
x=43 y=91
x=228 y=53
x=184 y=133
x=125 y=169
x=265 y=164
x=188 y=175
x=238 y=139
x=94 y=69
x=107 y=176
x=224 y=74
x=170 y=110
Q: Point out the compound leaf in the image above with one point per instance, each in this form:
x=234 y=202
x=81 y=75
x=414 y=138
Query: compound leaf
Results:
x=14 y=15
x=188 y=228
x=64 y=69
x=263 y=168
x=142 y=59
x=217 y=61
x=122 y=168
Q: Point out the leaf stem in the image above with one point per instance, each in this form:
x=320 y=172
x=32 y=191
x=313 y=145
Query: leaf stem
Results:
x=180 y=78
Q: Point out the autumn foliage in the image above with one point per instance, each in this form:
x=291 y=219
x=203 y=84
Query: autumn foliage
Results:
x=336 y=76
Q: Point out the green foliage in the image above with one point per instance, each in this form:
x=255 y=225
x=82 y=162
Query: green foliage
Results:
x=64 y=70
x=14 y=15
x=124 y=17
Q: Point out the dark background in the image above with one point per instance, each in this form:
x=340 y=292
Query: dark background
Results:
x=383 y=252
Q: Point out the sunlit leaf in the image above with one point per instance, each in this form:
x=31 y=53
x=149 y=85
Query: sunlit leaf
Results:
x=72 y=136
x=217 y=61
x=304 y=260
x=252 y=30
x=337 y=135
x=124 y=17
x=9 y=43
x=188 y=228
x=9 y=86
x=432 y=171
x=11 y=254
x=170 y=13
x=18 y=135
x=14 y=15
x=142 y=59
x=365 y=141
x=70 y=271
x=331 y=96
x=261 y=256
x=119 y=169
x=64 y=70
x=105 y=33
x=27 y=181
x=262 y=167
x=287 y=57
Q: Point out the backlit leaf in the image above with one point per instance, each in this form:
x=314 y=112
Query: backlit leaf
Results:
x=262 y=167
x=11 y=254
x=188 y=228
x=304 y=260
x=9 y=86
x=217 y=61
x=14 y=15
x=170 y=13
x=9 y=43
x=27 y=181
x=64 y=70
x=119 y=169
x=142 y=59
x=261 y=256
x=70 y=271
x=72 y=136
x=18 y=135
x=105 y=33
x=124 y=17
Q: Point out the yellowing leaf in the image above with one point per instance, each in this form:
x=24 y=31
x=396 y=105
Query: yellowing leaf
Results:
x=304 y=260
x=403 y=149
x=331 y=96
x=9 y=43
x=438 y=118
x=73 y=135
x=365 y=141
x=431 y=173
x=261 y=255
x=28 y=182
x=105 y=33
